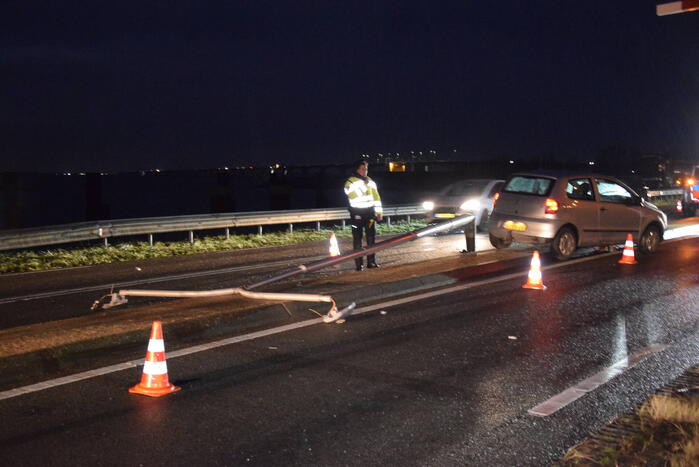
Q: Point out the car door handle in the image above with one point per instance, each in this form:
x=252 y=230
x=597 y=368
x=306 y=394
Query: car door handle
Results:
x=602 y=209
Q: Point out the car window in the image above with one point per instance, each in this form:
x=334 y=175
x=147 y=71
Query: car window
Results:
x=580 y=189
x=529 y=185
x=612 y=192
x=469 y=188
x=497 y=187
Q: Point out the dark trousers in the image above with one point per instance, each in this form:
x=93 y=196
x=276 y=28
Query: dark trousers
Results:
x=363 y=223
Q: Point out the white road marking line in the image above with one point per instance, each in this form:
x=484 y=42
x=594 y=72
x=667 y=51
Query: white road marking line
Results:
x=267 y=332
x=470 y=285
x=134 y=363
x=581 y=388
x=155 y=280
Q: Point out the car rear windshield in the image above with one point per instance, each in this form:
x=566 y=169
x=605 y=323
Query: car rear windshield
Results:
x=529 y=185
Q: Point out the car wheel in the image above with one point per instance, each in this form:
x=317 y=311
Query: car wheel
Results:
x=564 y=244
x=650 y=240
x=483 y=225
x=500 y=243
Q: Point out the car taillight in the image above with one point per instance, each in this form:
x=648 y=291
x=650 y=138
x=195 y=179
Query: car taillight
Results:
x=495 y=198
x=551 y=206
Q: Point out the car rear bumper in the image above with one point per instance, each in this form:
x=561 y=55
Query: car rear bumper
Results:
x=535 y=230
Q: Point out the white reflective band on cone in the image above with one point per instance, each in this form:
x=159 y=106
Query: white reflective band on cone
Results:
x=156 y=345
x=628 y=252
x=535 y=275
x=155 y=368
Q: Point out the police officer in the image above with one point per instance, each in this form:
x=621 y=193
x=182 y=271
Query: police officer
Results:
x=365 y=210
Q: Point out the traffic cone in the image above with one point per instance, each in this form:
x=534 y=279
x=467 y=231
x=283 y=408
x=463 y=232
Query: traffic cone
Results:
x=154 y=382
x=627 y=257
x=334 y=248
x=534 y=278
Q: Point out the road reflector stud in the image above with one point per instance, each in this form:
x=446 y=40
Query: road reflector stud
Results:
x=534 y=278
x=627 y=256
x=334 y=247
x=154 y=381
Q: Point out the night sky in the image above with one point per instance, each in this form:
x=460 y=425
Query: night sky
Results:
x=131 y=85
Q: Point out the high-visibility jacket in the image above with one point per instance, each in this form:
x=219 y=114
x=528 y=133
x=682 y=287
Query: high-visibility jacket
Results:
x=363 y=194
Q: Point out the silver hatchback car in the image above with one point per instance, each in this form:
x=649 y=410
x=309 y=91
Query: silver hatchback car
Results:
x=573 y=210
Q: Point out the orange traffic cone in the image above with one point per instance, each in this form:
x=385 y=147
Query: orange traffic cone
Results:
x=534 y=278
x=627 y=257
x=154 y=382
x=334 y=248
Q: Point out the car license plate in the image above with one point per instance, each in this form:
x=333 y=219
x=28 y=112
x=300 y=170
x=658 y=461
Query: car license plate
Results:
x=512 y=225
x=444 y=215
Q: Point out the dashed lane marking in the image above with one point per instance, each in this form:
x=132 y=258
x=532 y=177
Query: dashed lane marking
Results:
x=587 y=385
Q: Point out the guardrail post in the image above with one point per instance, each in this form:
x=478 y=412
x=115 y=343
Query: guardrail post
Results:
x=259 y=230
x=228 y=233
x=408 y=219
x=150 y=239
x=343 y=223
x=388 y=220
x=191 y=236
x=291 y=228
x=106 y=242
x=318 y=226
x=470 y=234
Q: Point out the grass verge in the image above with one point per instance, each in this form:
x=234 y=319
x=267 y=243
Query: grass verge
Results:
x=663 y=431
x=25 y=261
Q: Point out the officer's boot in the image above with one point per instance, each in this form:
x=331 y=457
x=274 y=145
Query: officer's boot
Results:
x=359 y=263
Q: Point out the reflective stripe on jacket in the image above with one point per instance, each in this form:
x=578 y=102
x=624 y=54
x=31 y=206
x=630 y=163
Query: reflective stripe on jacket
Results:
x=363 y=194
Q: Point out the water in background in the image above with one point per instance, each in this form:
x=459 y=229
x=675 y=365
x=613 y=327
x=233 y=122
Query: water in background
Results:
x=33 y=200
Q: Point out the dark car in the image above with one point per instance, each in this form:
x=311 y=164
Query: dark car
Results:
x=465 y=196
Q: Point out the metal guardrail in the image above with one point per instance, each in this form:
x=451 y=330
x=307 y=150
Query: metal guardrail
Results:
x=103 y=230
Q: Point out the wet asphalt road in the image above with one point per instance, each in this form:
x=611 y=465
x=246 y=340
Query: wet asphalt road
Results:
x=446 y=380
x=53 y=295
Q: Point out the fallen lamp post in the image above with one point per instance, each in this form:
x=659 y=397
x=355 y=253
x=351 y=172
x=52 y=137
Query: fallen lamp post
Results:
x=333 y=314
